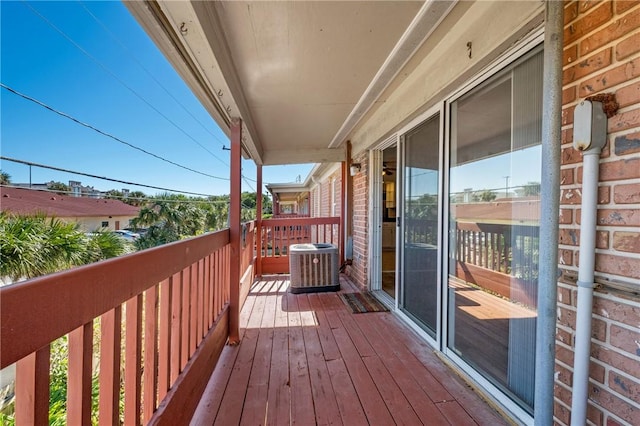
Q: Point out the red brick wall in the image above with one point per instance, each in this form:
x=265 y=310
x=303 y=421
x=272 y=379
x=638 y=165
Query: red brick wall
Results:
x=329 y=193
x=358 y=271
x=602 y=55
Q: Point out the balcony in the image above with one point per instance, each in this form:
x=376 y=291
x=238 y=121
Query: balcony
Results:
x=158 y=335
x=306 y=359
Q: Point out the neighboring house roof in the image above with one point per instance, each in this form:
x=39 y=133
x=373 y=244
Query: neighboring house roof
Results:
x=525 y=210
x=29 y=201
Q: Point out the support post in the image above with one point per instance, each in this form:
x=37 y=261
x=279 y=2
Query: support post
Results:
x=235 y=231
x=549 y=205
x=347 y=201
x=343 y=214
x=259 y=220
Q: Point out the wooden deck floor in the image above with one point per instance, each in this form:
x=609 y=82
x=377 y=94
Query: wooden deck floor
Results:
x=306 y=359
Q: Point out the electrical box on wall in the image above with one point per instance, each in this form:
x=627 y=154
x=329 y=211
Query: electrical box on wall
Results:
x=589 y=126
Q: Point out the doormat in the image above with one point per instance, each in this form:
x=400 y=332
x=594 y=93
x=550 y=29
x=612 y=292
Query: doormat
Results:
x=362 y=302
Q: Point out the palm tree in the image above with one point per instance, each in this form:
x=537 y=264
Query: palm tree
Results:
x=31 y=246
x=5 y=178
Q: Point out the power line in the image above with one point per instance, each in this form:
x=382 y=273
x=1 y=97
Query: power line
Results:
x=122 y=197
x=112 y=74
x=248 y=184
x=146 y=70
x=117 y=139
x=29 y=163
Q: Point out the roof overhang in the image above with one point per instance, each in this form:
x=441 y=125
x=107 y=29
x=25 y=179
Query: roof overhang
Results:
x=288 y=191
x=300 y=75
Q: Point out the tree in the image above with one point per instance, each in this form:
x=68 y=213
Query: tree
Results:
x=485 y=196
x=59 y=187
x=135 y=198
x=31 y=246
x=5 y=178
x=35 y=245
x=169 y=218
x=531 y=189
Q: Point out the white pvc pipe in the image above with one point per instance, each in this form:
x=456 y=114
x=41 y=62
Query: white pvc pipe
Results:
x=585 y=286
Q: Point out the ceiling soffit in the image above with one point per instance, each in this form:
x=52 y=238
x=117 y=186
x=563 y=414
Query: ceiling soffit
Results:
x=300 y=74
x=303 y=66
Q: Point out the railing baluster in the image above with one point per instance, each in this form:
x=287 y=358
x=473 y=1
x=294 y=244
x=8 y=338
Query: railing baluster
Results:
x=164 y=338
x=132 y=355
x=184 y=322
x=207 y=294
x=32 y=388
x=79 y=378
x=150 y=353
x=110 y=330
x=201 y=299
x=176 y=329
x=193 y=310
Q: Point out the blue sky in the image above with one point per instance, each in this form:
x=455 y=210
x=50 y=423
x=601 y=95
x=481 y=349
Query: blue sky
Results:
x=94 y=70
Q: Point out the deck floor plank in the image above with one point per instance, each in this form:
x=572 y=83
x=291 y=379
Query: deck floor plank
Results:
x=346 y=396
x=407 y=379
x=371 y=400
x=328 y=342
x=359 y=340
x=212 y=398
x=302 y=408
x=471 y=402
x=305 y=359
x=396 y=402
x=321 y=387
x=232 y=404
x=255 y=406
x=279 y=389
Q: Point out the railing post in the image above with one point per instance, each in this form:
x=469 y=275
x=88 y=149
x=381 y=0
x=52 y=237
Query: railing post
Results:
x=234 y=228
x=259 y=220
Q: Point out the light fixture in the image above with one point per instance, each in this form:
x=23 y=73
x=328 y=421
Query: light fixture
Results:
x=355 y=168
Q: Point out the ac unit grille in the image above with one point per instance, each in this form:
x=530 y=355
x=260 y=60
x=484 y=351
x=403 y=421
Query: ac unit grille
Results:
x=314 y=267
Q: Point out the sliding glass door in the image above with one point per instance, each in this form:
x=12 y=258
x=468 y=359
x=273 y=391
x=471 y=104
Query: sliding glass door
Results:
x=421 y=182
x=494 y=185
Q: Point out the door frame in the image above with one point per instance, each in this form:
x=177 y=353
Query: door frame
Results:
x=437 y=109
x=375 y=220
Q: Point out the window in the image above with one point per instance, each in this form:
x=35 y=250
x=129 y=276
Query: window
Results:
x=105 y=224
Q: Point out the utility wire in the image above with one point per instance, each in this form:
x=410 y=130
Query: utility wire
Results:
x=124 y=197
x=113 y=37
x=248 y=184
x=29 y=163
x=115 y=138
x=146 y=70
x=112 y=74
x=104 y=195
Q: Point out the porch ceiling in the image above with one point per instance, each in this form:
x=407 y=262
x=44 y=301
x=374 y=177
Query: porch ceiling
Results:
x=299 y=74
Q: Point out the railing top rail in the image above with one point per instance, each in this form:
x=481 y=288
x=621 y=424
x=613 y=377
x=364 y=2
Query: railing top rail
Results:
x=36 y=312
x=301 y=221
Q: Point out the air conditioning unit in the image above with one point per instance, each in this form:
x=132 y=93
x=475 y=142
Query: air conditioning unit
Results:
x=314 y=267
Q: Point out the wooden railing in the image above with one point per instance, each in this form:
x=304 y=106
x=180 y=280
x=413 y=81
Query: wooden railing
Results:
x=499 y=257
x=163 y=317
x=276 y=235
x=247 y=259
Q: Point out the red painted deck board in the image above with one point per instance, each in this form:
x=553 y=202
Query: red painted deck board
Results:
x=305 y=359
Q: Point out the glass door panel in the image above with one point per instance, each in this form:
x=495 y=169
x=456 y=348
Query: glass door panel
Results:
x=421 y=174
x=494 y=195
